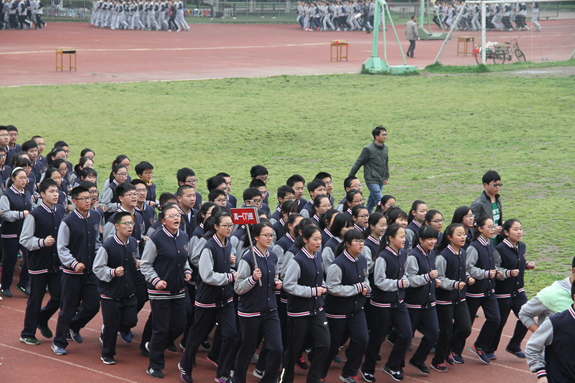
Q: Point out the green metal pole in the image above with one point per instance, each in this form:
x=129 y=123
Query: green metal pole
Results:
x=421 y=13
x=375 y=29
x=396 y=36
x=383 y=8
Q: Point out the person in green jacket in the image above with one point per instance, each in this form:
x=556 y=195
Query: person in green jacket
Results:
x=374 y=160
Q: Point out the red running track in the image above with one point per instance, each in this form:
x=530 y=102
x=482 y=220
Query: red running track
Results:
x=20 y=363
x=207 y=51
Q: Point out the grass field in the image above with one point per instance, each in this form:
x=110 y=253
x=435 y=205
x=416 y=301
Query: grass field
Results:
x=444 y=133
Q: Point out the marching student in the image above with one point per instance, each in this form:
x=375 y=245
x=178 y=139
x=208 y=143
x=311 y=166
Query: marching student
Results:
x=115 y=266
x=287 y=240
x=390 y=284
x=285 y=193
x=187 y=176
x=326 y=178
x=231 y=199
x=360 y=216
x=121 y=159
x=305 y=286
x=396 y=215
x=110 y=200
x=218 y=196
x=347 y=286
x=342 y=223
x=31 y=149
x=78 y=241
x=5 y=170
x=13 y=132
x=320 y=205
x=509 y=288
x=434 y=218
x=415 y=219
x=420 y=297
x=257 y=306
x=165 y=266
x=39 y=235
x=214 y=299
x=15 y=205
x=377 y=225
x=260 y=172
x=288 y=208
x=325 y=222
x=219 y=183
x=464 y=215
x=480 y=263
x=145 y=172
x=348 y=184
x=261 y=186
x=128 y=198
x=186 y=200
x=146 y=210
x=84 y=162
x=352 y=199
x=297 y=183
x=385 y=203
x=450 y=296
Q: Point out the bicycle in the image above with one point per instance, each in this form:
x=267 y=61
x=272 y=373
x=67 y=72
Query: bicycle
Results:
x=500 y=53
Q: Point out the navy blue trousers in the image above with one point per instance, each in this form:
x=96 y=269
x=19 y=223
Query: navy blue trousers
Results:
x=11 y=247
x=116 y=315
x=447 y=315
x=35 y=314
x=355 y=326
x=505 y=306
x=492 y=319
x=424 y=321
x=168 y=323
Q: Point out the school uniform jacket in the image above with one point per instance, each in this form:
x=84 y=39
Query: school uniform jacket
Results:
x=507 y=258
x=410 y=231
x=303 y=276
x=421 y=292
x=480 y=259
x=111 y=255
x=326 y=235
x=344 y=281
x=189 y=221
x=281 y=247
x=78 y=241
x=370 y=252
x=149 y=215
x=255 y=300
x=165 y=257
x=451 y=270
x=279 y=228
x=138 y=232
x=42 y=222
x=12 y=204
x=215 y=286
x=328 y=253
x=388 y=275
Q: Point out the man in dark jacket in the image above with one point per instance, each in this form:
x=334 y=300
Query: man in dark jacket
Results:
x=374 y=160
x=489 y=202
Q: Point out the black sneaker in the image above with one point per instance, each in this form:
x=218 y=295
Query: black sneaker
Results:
x=45 y=331
x=449 y=359
x=223 y=379
x=395 y=375
x=367 y=377
x=480 y=354
x=172 y=347
x=457 y=358
x=301 y=363
x=25 y=290
x=155 y=373
x=30 y=340
x=439 y=367
x=420 y=366
x=187 y=378
x=7 y=293
x=108 y=360
x=206 y=345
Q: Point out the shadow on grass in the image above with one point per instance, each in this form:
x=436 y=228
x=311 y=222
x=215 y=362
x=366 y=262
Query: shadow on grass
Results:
x=481 y=68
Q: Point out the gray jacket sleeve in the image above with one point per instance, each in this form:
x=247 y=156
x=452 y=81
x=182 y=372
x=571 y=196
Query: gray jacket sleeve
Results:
x=335 y=287
x=361 y=160
x=109 y=231
x=534 y=350
x=366 y=252
x=64 y=253
x=411 y=270
x=207 y=273
x=327 y=257
x=290 y=284
x=287 y=258
x=100 y=267
x=446 y=283
x=107 y=195
x=304 y=213
x=280 y=254
x=147 y=262
x=194 y=256
x=7 y=214
x=534 y=308
x=27 y=238
x=471 y=261
x=245 y=281
x=380 y=279
x=409 y=234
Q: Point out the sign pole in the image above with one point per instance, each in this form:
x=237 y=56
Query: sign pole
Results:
x=247 y=216
x=252 y=250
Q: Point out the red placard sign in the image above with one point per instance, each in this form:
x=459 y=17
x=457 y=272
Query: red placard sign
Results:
x=245 y=216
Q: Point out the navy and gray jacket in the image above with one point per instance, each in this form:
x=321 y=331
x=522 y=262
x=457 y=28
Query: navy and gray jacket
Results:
x=344 y=281
x=303 y=276
x=111 y=255
x=149 y=215
x=507 y=258
x=255 y=300
x=479 y=261
x=39 y=224
x=279 y=228
x=451 y=269
x=326 y=235
x=215 y=286
x=388 y=275
x=421 y=292
x=78 y=241
x=12 y=204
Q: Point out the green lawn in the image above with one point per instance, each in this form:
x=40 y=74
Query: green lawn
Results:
x=444 y=133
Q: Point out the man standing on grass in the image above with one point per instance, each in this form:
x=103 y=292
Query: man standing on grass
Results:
x=374 y=160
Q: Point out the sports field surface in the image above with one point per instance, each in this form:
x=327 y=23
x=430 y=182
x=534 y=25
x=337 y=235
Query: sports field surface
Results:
x=445 y=131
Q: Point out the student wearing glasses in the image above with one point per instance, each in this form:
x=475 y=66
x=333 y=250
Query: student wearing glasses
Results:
x=260 y=172
x=231 y=198
x=118 y=176
x=145 y=172
x=320 y=206
x=147 y=211
x=350 y=183
x=326 y=178
x=285 y=193
x=166 y=269
x=352 y=199
x=488 y=204
x=360 y=217
x=261 y=186
x=187 y=176
x=434 y=219
x=218 y=183
x=415 y=219
x=5 y=170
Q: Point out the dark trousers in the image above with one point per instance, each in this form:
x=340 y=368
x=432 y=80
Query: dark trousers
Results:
x=300 y=330
x=168 y=323
x=75 y=289
x=190 y=310
x=205 y=318
x=447 y=315
x=39 y=22
x=269 y=324
x=11 y=247
x=424 y=321
x=35 y=314
x=384 y=317
x=12 y=21
x=355 y=326
x=141 y=287
x=492 y=319
x=505 y=306
x=116 y=315
x=411 y=48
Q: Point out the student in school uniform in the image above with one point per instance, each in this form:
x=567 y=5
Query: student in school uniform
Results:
x=297 y=183
x=434 y=218
x=450 y=296
x=342 y=223
x=320 y=205
x=420 y=296
x=325 y=223
x=231 y=199
x=315 y=188
x=388 y=300
x=13 y=132
x=110 y=200
x=15 y=205
x=66 y=148
x=327 y=180
x=39 y=236
x=257 y=306
x=288 y=208
x=219 y=183
x=386 y=202
x=147 y=211
x=5 y=170
x=31 y=149
x=187 y=176
x=165 y=199
x=347 y=285
x=415 y=219
x=348 y=184
x=481 y=266
x=186 y=200
x=165 y=266
x=214 y=299
x=285 y=193
x=464 y=215
x=78 y=241
x=305 y=286
x=260 y=172
x=115 y=266
x=4 y=142
x=83 y=163
x=145 y=172
x=510 y=259
x=360 y=216
x=261 y=186
x=22 y=161
x=352 y=199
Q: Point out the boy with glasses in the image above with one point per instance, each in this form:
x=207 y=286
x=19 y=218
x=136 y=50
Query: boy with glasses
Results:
x=488 y=204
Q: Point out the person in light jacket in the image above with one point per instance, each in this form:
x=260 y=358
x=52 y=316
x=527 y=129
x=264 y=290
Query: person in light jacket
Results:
x=411 y=34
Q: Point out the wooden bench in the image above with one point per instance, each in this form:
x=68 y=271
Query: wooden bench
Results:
x=60 y=52
x=339 y=52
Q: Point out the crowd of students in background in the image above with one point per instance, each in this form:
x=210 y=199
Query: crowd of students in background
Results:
x=336 y=16
x=149 y=15
x=317 y=273
x=21 y=14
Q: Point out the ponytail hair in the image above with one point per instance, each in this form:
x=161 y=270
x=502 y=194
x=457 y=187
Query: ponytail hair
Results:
x=80 y=165
x=459 y=213
x=307 y=232
x=116 y=169
x=300 y=228
x=216 y=220
x=255 y=230
x=327 y=216
x=348 y=237
x=391 y=231
x=507 y=226
x=290 y=221
x=414 y=207
x=317 y=202
x=373 y=220
x=203 y=210
x=394 y=213
x=349 y=197
x=340 y=222
x=289 y=207
x=382 y=202
x=480 y=222
x=448 y=233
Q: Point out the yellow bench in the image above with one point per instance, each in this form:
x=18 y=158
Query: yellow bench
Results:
x=60 y=52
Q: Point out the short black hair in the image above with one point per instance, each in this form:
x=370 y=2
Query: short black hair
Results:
x=60 y=144
x=88 y=184
x=2 y=127
x=46 y=183
x=347 y=182
x=293 y=179
x=119 y=216
x=491 y=175
x=223 y=174
x=214 y=182
x=258 y=170
x=182 y=188
x=311 y=186
x=12 y=128
x=322 y=175
x=122 y=189
x=77 y=191
x=184 y=173
x=215 y=194
x=284 y=190
x=142 y=167
x=137 y=181
x=377 y=131
x=257 y=183
x=165 y=197
x=251 y=193
x=30 y=144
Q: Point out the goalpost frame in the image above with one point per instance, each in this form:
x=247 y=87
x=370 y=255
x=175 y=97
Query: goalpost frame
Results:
x=483 y=28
